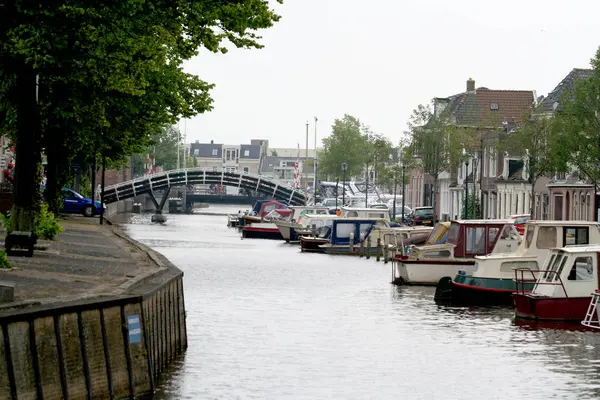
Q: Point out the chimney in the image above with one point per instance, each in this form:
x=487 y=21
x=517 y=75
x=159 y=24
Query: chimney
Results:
x=212 y=142
x=470 y=85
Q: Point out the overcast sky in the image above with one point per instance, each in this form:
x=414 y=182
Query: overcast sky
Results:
x=379 y=59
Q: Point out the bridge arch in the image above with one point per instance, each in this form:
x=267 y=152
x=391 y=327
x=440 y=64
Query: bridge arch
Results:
x=200 y=176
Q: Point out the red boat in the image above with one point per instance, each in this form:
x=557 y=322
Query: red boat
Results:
x=562 y=289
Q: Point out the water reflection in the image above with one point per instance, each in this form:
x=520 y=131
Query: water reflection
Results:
x=266 y=321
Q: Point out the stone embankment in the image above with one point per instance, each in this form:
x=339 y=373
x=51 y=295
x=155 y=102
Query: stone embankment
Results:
x=95 y=315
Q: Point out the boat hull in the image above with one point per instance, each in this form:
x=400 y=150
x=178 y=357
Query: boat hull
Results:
x=550 y=308
x=428 y=272
x=345 y=250
x=469 y=290
x=251 y=232
x=312 y=245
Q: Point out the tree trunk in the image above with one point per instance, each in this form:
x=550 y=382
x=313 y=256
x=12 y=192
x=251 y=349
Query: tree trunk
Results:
x=532 y=209
x=27 y=152
x=433 y=198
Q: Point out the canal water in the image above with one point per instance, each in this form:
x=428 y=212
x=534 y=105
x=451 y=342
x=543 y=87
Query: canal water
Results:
x=268 y=322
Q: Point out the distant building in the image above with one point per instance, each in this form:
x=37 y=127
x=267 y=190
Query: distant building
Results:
x=244 y=158
x=282 y=169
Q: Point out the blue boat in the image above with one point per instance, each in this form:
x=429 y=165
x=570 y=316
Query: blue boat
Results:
x=337 y=236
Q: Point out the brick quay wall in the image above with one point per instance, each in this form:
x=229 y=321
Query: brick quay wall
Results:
x=112 y=345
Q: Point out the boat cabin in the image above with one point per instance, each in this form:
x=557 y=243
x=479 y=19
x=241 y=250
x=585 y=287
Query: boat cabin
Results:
x=539 y=238
x=364 y=212
x=570 y=271
x=342 y=231
x=263 y=207
x=472 y=238
x=298 y=212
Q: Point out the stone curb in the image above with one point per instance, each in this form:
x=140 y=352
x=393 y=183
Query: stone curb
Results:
x=149 y=252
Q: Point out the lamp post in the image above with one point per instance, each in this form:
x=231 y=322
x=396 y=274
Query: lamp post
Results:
x=403 y=183
x=395 y=185
x=467 y=189
x=337 y=184
x=344 y=168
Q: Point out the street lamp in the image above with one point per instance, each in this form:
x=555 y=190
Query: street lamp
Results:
x=395 y=185
x=344 y=168
x=467 y=188
x=403 y=183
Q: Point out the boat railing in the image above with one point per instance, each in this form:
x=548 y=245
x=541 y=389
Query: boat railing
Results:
x=521 y=281
x=592 y=319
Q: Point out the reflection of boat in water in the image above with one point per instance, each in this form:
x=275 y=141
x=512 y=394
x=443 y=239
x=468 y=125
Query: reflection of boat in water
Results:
x=562 y=289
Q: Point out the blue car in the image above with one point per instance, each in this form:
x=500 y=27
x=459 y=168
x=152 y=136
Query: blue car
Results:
x=74 y=203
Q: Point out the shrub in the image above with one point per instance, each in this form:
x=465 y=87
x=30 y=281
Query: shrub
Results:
x=4 y=220
x=4 y=261
x=46 y=224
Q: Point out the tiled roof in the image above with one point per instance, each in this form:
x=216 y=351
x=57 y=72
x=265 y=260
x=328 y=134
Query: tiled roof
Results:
x=206 y=150
x=253 y=152
x=550 y=102
x=488 y=108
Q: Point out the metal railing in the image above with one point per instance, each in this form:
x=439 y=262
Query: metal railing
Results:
x=522 y=281
x=589 y=320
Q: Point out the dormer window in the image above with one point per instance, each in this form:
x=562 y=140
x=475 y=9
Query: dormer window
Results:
x=215 y=152
x=494 y=106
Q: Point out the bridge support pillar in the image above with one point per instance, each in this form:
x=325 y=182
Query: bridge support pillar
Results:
x=158 y=216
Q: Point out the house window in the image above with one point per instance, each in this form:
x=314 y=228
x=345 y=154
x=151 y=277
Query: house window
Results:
x=245 y=170
x=574 y=236
x=215 y=152
x=246 y=153
x=214 y=168
x=196 y=152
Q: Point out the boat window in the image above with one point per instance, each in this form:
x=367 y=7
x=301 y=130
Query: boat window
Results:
x=343 y=230
x=546 y=238
x=548 y=265
x=376 y=215
x=574 y=236
x=476 y=240
x=352 y=214
x=437 y=254
x=560 y=268
x=492 y=233
x=557 y=261
x=509 y=232
x=529 y=236
x=364 y=229
x=582 y=269
x=510 y=266
x=453 y=234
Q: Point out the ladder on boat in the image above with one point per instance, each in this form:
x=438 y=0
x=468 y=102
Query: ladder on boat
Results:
x=592 y=317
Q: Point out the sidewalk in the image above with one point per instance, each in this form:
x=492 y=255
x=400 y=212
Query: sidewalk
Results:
x=86 y=260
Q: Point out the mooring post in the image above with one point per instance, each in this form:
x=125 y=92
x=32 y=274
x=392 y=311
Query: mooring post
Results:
x=361 y=249
x=368 y=247
x=378 y=252
x=351 y=243
x=386 y=250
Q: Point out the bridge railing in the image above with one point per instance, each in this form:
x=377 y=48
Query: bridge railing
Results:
x=194 y=176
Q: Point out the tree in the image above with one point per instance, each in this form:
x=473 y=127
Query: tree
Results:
x=109 y=77
x=535 y=142
x=577 y=126
x=379 y=152
x=346 y=144
x=437 y=143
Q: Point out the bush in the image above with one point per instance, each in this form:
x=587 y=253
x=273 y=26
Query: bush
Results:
x=4 y=261
x=4 y=220
x=46 y=224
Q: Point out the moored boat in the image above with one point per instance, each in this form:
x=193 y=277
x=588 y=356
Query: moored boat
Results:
x=261 y=231
x=562 y=289
x=260 y=210
x=426 y=265
x=492 y=281
x=288 y=228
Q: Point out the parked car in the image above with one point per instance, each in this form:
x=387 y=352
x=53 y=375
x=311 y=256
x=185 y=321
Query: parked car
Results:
x=421 y=216
x=520 y=220
x=74 y=203
x=399 y=213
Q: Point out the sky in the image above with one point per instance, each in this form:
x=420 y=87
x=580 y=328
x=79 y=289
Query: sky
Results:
x=379 y=59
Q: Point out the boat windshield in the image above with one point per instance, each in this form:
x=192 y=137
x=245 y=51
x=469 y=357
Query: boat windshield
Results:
x=453 y=233
x=529 y=230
